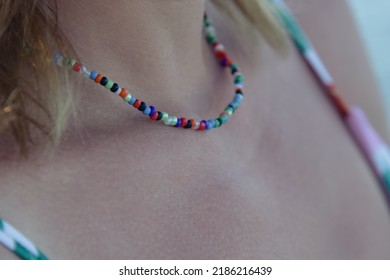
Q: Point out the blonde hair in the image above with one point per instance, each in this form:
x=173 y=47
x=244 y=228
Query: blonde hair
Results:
x=36 y=93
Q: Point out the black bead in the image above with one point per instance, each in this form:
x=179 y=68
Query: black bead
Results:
x=104 y=81
x=142 y=106
x=159 y=116
x=220 y=121
x=239 y=91
x=114 y=87
x=234 y=71
x=189 y=124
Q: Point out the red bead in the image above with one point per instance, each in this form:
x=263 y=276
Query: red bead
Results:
x=215 y=44
x=154 y=116
x=77 y=67
x=123 y=93
x=184 y=122
x=220 y=54
x=137 y=103
x=201 y=126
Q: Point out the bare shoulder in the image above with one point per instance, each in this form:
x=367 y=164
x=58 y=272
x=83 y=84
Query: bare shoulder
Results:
x=332 y=29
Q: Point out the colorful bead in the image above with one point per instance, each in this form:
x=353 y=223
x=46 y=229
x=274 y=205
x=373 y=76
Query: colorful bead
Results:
x=196 y=126
x=152 y=110
x=77 y=67
x=98 y=78
x=154 y=116
x=164 y=116
x=132 y=100
x=103 y=81
x=183 y=122
x=202 y=126
x=123 y=93
x=137 y=103
x=178 y=124
x=189 y=124
x=93 y=75
x=142 y=106
x=174 y=121
x=146 y=111
x=109 y=84
x=127 y=98
x=118 y=90
x=168 y=121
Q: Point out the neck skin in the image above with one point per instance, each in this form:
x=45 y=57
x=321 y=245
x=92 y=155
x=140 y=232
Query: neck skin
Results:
x=155 y=49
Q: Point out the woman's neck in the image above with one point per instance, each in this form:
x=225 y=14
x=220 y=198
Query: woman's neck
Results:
x=155 y=48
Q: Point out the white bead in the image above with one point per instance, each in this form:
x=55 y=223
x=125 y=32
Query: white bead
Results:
x=219 y=47
x=210 y=30
x=196 y=125
x=87 y=74
x=118 y=90
x=168 y=121
x=174 y=121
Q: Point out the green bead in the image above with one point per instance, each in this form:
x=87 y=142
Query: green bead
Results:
x=109 y=84
x=239 y=79
x=234 y=66
x=216 y=123
x=164 y=116
x=211 y=39
x=229 y=111
x=127 y=98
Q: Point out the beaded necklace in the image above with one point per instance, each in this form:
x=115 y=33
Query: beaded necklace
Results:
x=151 y=111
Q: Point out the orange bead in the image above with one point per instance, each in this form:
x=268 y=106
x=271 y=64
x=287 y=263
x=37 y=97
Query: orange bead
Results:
x=98 y=78
x=193 y=123
x=123 y=93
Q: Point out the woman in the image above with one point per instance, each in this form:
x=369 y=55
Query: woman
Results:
x=282 y=179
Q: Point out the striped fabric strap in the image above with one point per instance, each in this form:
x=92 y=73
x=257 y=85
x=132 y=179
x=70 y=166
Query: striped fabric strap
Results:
x=18 y=243
x=368 y=140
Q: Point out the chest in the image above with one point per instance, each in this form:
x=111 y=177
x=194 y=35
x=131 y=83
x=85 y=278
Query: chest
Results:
x=280 y=180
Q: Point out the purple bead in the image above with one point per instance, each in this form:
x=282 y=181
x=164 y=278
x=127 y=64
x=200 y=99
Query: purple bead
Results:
x=152 y=110
x=178 y=123
x=224 y=62
x=206 y=126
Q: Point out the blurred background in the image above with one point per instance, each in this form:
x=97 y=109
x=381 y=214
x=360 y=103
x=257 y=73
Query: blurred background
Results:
x=373 y=21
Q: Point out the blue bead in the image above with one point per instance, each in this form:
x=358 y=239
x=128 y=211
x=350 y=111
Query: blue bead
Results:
x=57 y=57
x=210 y=124
x=93 y=75
x=152 y=110
x=132 y=100
x=205 y=124
x=238 y=98
x=147 y=110
x=178 y=123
